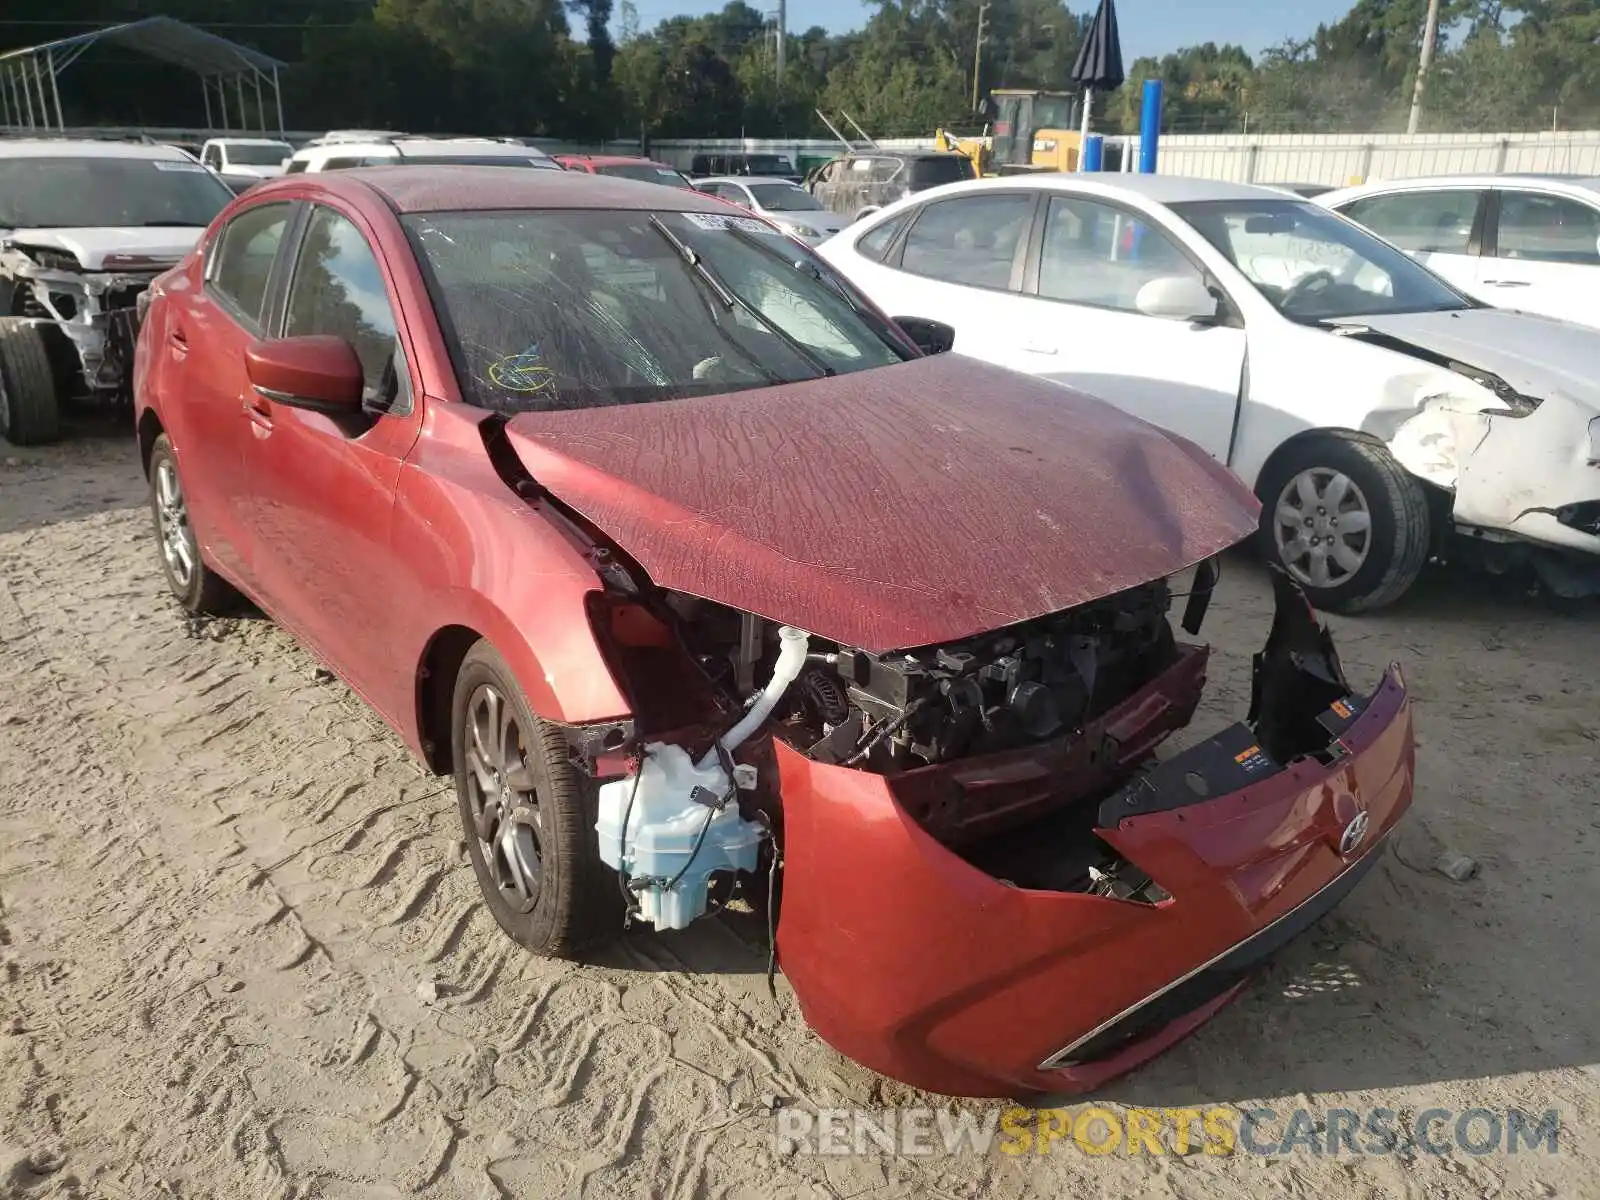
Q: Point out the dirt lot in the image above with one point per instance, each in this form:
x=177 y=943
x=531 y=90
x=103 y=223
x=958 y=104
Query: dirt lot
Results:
x=243 y=956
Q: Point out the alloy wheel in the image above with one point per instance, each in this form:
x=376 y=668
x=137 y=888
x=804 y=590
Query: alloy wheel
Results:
x=503 y=797
x=178 y=545
x=1322 y=527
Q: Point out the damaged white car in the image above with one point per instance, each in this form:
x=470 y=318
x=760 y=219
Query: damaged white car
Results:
x=1383 y=417
x=84 y=228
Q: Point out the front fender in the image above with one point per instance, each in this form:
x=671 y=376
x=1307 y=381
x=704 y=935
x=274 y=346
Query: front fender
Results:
x=482 y=558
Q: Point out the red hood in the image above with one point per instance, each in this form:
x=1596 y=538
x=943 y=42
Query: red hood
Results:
x=892 y=508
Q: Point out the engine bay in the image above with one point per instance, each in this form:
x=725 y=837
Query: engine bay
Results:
x=907 y=709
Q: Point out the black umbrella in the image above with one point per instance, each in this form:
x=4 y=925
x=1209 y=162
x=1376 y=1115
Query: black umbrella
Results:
x=1099 y=65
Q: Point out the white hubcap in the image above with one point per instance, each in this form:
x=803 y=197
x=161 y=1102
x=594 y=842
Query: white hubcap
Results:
x=1322 y=526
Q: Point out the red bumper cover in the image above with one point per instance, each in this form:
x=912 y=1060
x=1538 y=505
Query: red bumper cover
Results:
x=913 y=962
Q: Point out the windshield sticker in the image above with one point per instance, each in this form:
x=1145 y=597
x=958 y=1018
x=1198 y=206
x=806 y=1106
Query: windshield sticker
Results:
x=523 y=373
x=717 y=221
x=167 y=164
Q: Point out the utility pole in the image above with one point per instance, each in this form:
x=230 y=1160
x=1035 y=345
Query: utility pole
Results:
x=1430 y=36
x=783 y=35
x=977 y=51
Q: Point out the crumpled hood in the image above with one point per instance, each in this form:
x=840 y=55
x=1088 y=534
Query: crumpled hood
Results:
x=1539 y=356
x=162 y=245
x=893 y=508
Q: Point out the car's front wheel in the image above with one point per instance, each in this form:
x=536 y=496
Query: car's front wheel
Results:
x=529 y=816
x=1347 y=522
x=200 y=590
x=29 y=412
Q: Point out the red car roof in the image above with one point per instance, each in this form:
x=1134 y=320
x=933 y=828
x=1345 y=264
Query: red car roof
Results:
x=412 y=189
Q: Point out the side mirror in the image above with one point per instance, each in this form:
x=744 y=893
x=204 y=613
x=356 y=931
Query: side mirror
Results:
x=931 y=337
x=1178 y=298
x=317 y=372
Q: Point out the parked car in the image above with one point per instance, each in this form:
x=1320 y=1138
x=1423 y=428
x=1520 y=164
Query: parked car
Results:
x=645 y=169
x=773 y=166
x=84 y=227
x=244 y=158
x=790 y=207
x=1527 y=242
x=1376 y=410
x=684 y=561
x=859 y=183
x=339 y=152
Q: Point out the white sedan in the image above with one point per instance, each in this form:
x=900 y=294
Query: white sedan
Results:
x=787 y=205
x=1377 y=411
x=1529 y=242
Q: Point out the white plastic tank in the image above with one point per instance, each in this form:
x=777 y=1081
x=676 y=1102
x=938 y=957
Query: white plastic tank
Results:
x=682 y=817
x=672 y=810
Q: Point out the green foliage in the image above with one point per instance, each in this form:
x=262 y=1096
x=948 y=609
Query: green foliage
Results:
x=551 y=67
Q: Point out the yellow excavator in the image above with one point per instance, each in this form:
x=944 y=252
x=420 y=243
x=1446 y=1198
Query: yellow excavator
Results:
x=1031 y=130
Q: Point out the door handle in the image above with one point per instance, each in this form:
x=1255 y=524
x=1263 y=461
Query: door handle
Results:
x=1039 y=346
x=1507 y=283
x=179 y=339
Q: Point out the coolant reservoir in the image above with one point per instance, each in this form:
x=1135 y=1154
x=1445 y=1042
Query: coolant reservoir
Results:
x=672 y=804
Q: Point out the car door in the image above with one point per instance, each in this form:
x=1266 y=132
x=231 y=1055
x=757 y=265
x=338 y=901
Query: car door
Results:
x=1442 y=228
x=1083 y=326
x=1544 y=255
x=960 y=261
x=204 y=389
x=322 y=489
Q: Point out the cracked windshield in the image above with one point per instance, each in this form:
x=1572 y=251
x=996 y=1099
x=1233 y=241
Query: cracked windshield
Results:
x=557 y=310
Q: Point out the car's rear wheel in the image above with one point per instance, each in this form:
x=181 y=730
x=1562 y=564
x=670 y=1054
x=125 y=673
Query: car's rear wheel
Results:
x=528 y=816
x=1347 y=522
x=200 y=590
x=30 y=413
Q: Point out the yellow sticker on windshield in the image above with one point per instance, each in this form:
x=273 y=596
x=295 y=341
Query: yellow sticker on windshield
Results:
x=524 y=373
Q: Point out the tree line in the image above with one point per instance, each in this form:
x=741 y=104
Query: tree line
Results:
x=580 y=69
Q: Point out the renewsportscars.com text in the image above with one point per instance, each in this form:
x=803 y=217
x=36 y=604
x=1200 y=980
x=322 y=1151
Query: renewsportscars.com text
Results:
x=1113 y=1129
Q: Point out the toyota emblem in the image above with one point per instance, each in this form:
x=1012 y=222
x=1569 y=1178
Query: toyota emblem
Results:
x=1353 y=834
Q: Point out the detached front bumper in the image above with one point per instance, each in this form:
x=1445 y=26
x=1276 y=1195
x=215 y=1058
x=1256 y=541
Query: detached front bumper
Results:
x=919 y=965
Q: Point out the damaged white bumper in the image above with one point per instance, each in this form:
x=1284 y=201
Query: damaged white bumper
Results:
x=1529 y=471
x=97 y=312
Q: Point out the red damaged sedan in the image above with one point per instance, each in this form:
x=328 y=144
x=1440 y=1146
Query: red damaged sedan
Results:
x=701 y=576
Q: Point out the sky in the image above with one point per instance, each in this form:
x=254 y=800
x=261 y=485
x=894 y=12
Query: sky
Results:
x=1152 y=27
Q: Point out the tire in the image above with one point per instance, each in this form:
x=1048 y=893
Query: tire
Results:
x=576 y=900
x=201 y=591
x=30 y=414
x=1396 y=544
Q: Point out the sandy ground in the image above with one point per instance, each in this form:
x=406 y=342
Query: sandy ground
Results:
x=243 y=955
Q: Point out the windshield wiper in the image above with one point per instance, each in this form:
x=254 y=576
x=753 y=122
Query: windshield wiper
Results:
x=731 y=299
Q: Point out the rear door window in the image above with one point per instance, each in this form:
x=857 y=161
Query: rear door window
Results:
x=1426 y=222
x=931 y=172
x=1554 y=229
x=972 y=240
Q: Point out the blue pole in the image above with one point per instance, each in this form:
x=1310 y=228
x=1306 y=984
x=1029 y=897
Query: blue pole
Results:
x=1094 y=152
x=1149 y=126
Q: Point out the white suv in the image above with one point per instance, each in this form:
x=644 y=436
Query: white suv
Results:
x=337 y=152
x=84 y=227
x=260 y=158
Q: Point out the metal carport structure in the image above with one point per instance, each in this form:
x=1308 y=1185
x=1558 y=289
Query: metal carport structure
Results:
x=30 y=95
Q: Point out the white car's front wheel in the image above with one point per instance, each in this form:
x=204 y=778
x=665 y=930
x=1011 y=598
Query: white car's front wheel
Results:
x=1347 y=522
